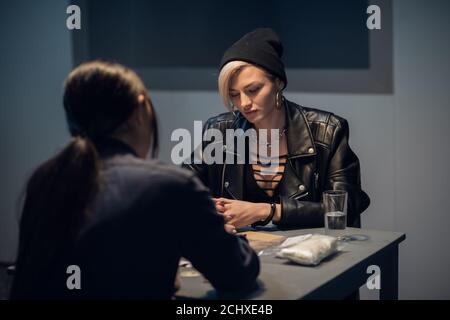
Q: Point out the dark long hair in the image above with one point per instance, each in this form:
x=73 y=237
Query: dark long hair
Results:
x=98 y=97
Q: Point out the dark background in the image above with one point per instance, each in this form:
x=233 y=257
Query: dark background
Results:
x=177 y=45
x=195 y=34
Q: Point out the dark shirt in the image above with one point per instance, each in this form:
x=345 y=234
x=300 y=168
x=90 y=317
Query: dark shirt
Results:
x=146 y=216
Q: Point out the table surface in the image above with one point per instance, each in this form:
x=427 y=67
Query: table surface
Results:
x=281 y=279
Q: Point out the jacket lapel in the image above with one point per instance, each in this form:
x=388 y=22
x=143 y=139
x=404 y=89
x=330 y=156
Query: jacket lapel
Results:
x=233 y=174
x=302 y=151
x=300 y=140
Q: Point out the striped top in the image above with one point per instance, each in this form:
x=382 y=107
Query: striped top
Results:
x=268 y=176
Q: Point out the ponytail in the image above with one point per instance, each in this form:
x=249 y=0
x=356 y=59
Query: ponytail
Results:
x=98 y=97
x=57 y=202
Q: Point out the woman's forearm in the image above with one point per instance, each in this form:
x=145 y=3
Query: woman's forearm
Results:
x=277 y=216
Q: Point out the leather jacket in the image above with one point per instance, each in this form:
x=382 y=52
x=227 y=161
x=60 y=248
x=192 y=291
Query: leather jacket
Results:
x=319 y=159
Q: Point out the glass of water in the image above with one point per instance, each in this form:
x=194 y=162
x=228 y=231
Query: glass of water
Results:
x=335 y=205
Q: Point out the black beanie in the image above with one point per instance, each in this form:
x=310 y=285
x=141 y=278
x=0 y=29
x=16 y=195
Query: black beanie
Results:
x=261 y=47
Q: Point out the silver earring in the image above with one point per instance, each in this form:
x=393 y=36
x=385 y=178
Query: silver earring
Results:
x=234 y=110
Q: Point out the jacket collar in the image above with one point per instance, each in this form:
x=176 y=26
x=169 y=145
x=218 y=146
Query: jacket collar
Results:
x=300 y=140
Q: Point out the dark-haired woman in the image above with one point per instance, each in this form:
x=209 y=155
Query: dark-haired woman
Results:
x=100 y=205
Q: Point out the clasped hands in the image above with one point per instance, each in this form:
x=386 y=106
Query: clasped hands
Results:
x=238 y=213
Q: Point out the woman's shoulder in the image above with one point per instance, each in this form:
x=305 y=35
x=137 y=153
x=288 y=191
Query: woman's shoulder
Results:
x=315 y=115
x=221 y=119
x=145 y=171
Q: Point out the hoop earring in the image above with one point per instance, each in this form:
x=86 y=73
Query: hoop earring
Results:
x=278 y=99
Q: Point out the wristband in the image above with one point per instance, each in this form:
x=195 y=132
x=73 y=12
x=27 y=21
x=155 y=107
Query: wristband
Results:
x=273 y=209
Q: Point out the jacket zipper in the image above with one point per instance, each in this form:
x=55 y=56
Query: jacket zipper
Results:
x=229 y=191
x=297 y=197
x=226 y=184
x=316 y=185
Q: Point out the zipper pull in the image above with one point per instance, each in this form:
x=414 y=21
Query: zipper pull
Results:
x=226 y=185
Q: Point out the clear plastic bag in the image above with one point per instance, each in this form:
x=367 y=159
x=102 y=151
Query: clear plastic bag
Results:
x=309 y=249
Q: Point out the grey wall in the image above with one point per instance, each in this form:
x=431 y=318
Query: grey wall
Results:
x=399 y=138
x=35 y=57
x=421 y=146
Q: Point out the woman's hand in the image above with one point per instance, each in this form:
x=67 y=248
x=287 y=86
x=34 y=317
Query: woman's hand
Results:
x=230 y=228
x=241 y=213
x=177 y=284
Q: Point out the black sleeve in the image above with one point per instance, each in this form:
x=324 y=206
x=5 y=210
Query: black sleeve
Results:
x=226 y=260
x=200 y=168
x=300 y=214
x=343 y=174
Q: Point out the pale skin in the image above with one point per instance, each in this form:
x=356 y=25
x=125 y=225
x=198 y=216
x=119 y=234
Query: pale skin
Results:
x=254 y=94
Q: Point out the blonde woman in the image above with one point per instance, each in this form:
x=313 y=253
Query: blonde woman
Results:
x=313 y=153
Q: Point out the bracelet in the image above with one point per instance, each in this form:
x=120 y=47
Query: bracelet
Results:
x=273 y=209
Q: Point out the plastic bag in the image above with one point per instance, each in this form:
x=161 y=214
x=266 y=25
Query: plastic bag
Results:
x=308 y=249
